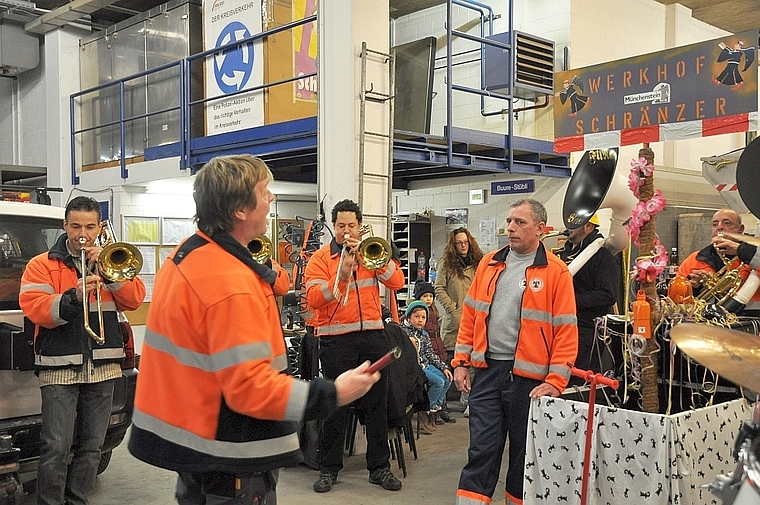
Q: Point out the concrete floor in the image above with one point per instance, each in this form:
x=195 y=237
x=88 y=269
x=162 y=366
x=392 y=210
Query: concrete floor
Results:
x=432 y=478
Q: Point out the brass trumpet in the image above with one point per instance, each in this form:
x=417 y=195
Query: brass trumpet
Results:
x=261 y=249
x=117 y=262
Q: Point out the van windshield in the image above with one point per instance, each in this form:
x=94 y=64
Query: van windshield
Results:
x=22 y=238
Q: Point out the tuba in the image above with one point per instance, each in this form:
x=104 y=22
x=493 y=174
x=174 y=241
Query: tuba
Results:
x=746 y=184
x=723 y=284
x=596 y=184
x=117 y=262
x=261 y=249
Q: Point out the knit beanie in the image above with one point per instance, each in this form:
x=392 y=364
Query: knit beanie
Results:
x=422 y=287
x=416 y=305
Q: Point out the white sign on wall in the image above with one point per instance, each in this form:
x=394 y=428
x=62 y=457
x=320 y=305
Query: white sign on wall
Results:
x=232 y=70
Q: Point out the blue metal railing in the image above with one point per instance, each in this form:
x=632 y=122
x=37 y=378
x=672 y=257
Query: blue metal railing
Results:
x=483 y=41
x=184 y=90
x=122 y=121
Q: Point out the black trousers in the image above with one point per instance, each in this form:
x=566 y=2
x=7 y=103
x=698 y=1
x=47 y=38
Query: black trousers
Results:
x=341 y=353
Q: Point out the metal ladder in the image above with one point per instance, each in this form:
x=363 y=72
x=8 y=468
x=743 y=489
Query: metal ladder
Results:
x=372 y=96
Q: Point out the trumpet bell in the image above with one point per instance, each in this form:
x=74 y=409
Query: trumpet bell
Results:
x=261 y=249
x=119 y=262
x=374 y=253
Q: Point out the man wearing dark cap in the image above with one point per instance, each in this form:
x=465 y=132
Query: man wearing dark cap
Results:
x=596 y=287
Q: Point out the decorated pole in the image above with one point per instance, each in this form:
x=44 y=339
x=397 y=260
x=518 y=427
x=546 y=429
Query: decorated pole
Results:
x=647 y=242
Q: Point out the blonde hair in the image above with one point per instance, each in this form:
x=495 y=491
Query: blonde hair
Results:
x=224 y=185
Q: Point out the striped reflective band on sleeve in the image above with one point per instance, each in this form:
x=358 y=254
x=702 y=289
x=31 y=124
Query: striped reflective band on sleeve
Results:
x=562 y=319
x=388 y=273
x=212 y=362
x=55 y=311
x=299 y=394
x=323 y=287
x=45 y=288
x=241 y=450
x=479 y=306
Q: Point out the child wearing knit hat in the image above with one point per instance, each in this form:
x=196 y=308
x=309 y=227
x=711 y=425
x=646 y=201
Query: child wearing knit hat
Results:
x=425 y=292
x=435 y=369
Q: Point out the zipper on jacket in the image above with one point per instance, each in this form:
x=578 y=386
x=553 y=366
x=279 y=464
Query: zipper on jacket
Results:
x=546 y=342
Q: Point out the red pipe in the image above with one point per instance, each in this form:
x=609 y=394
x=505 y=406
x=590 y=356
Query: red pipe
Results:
x=593 y=379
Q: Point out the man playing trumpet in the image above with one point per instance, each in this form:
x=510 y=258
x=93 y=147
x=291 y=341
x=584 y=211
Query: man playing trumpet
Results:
x=76 y=372
x=345 y=298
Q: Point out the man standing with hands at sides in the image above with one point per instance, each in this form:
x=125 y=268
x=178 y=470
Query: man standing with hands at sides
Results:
x=215 y=402
x=519 y=331
x=76 y=373
x=345 y=298
x=596 y=286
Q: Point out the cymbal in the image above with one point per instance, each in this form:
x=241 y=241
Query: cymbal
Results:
x=738 y=237
x=733 y=354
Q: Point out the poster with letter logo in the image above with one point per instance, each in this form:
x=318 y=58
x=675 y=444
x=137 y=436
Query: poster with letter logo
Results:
x=235 y=69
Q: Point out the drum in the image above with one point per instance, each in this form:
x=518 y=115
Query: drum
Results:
x=742 y=487
x=749 y=492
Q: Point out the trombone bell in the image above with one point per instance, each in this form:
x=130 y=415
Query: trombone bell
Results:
x=260 y=249
x=119 y=262
x=374 y=253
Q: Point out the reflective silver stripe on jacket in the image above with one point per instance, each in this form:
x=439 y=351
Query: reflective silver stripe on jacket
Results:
x=339 y=329
x=476 y=305
x=209 y=362
x=107 y=353
x=70 y=359
x=388 y=273
x=299 y=395
x=217 y=448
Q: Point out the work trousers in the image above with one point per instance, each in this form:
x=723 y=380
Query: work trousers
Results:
x=216 y=488
x=83 y=409
x=338 y=354
x=499 y=405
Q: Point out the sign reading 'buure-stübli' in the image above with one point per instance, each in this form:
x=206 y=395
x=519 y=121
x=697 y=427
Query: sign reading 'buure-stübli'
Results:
x=702 y=89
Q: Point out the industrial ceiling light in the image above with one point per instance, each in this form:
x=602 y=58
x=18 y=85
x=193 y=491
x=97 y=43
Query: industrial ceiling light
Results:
x=18 y=4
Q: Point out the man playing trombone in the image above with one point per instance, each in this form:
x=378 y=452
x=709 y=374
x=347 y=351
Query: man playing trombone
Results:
x=76 y=371
x=345 y=297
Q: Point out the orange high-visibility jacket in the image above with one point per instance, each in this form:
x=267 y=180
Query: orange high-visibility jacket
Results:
x=363 y=311
x=214 y=393
x=48 y=298
x=548 y=339
x=281 y=284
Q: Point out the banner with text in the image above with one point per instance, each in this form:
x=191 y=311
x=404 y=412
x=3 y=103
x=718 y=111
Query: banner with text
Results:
x=701 y=89
x=305 y=50
x=234 y=69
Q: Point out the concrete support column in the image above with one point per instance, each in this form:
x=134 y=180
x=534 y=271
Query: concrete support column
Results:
x=61 y=49
x=343 y=26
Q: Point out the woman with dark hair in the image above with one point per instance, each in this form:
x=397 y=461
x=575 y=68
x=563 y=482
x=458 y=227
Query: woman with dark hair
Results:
x=455 y=274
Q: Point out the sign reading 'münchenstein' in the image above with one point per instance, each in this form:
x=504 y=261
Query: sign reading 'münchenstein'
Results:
x=691 y=91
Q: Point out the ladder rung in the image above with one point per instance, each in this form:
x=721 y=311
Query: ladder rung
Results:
x=384 y=216
x=370 y=174
x=376 y=134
